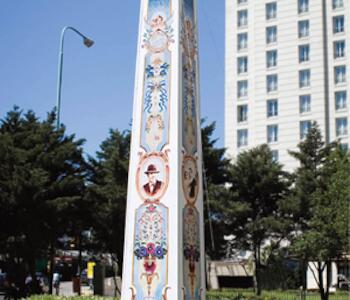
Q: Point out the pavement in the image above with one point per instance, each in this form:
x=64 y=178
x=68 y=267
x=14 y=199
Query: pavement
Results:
x=66 y=288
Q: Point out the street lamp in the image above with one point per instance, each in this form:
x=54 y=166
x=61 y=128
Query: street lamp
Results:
x=88 y=43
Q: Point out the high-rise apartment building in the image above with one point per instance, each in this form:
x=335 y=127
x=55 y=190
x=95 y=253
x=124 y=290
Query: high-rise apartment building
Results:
x=287 y=64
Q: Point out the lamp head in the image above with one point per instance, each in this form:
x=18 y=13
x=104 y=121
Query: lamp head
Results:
x=87 y=42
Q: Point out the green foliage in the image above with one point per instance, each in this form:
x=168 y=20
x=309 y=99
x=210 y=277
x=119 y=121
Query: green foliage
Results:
x=252 y=214
x=328 y=234
x=258 y=185
x=215 y=172
x=107 y=192
x=321 y=198
x=248 y=294
x=311 y=155
x=47 y=190
x=216 y=165
x=42 y=173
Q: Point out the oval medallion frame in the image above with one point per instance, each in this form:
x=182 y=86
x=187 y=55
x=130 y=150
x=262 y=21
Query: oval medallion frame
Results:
x=190 y=179
x=152 y=177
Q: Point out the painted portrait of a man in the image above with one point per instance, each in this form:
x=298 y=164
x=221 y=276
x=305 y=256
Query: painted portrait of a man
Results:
x=153 y=186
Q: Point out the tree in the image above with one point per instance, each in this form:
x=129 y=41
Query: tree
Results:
x=312 y=154
x=215 y=171
x=42 y=174
x=252 y=214
x=108 y=192
x=327 y=237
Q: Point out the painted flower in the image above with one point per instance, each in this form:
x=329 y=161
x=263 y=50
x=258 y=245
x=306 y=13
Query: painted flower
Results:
x=141 y=252
x=159 y=252
x=187 y=253
x=150 y=248
x=151 y=208
x=150 y=266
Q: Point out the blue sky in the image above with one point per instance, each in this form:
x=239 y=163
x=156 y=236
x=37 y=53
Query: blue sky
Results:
x=98 y=82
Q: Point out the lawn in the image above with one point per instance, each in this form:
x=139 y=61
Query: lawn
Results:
x=223 y=295
x=269 y=295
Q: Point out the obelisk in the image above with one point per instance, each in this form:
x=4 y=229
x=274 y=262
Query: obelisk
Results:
x=164 y=233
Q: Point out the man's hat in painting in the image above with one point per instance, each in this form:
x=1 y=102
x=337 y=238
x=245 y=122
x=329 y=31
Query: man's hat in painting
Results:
x=151 y=169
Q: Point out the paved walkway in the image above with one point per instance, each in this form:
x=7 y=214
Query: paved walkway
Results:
x=66 y=288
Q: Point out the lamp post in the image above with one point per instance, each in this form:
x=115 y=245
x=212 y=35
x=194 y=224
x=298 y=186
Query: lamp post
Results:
x=88 y=43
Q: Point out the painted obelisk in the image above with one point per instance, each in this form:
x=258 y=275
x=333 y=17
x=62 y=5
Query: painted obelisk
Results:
x=164 y=234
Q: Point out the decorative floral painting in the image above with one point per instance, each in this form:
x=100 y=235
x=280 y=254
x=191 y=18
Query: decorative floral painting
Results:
x=190 y=174
x=150 y=263
x=150 y=251
x=155 y=111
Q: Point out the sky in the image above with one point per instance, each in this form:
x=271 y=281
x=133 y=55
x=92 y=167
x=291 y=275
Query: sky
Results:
x=98 y=82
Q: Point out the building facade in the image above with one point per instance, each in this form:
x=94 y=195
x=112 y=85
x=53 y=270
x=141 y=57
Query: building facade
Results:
x=287 y=65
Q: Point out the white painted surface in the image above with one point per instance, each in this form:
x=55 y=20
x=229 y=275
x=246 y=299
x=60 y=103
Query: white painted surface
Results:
x=173 y=198
x=312 y=277
x=288 y=74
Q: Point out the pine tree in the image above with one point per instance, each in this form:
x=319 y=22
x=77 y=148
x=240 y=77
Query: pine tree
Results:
x=42 y=173
x=108 y=191
x=311 y=155
x=327 y=237
x=252 y=214
x=215 y=176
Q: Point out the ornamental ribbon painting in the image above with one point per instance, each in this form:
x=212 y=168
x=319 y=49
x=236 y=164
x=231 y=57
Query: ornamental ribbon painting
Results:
x=155 y=111
x=190 y=131
x=150 y=263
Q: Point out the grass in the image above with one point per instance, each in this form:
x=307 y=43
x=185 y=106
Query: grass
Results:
x=246 y=294
x=52 y=297
x=226 y=294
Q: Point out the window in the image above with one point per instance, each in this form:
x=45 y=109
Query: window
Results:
x=304 y=128
x=341 y=126
x=271 y=83
x=339 y=74
x=271 y=58
x=271 y=34
x=303 y=28
x=304 y=53
x=242 y=41
x=338 y=24
x=304 y=104
x=242 y=88
x=242 y=18
x=272 y=108
x=242 y=113
x=303 y=6
x=242 y=64
x=271 y=10
x=274 y=155
x=337 y=4
x=340 y=100
x=304 y=78
x=339 y=49
x=242 y=137
x=272 y=133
